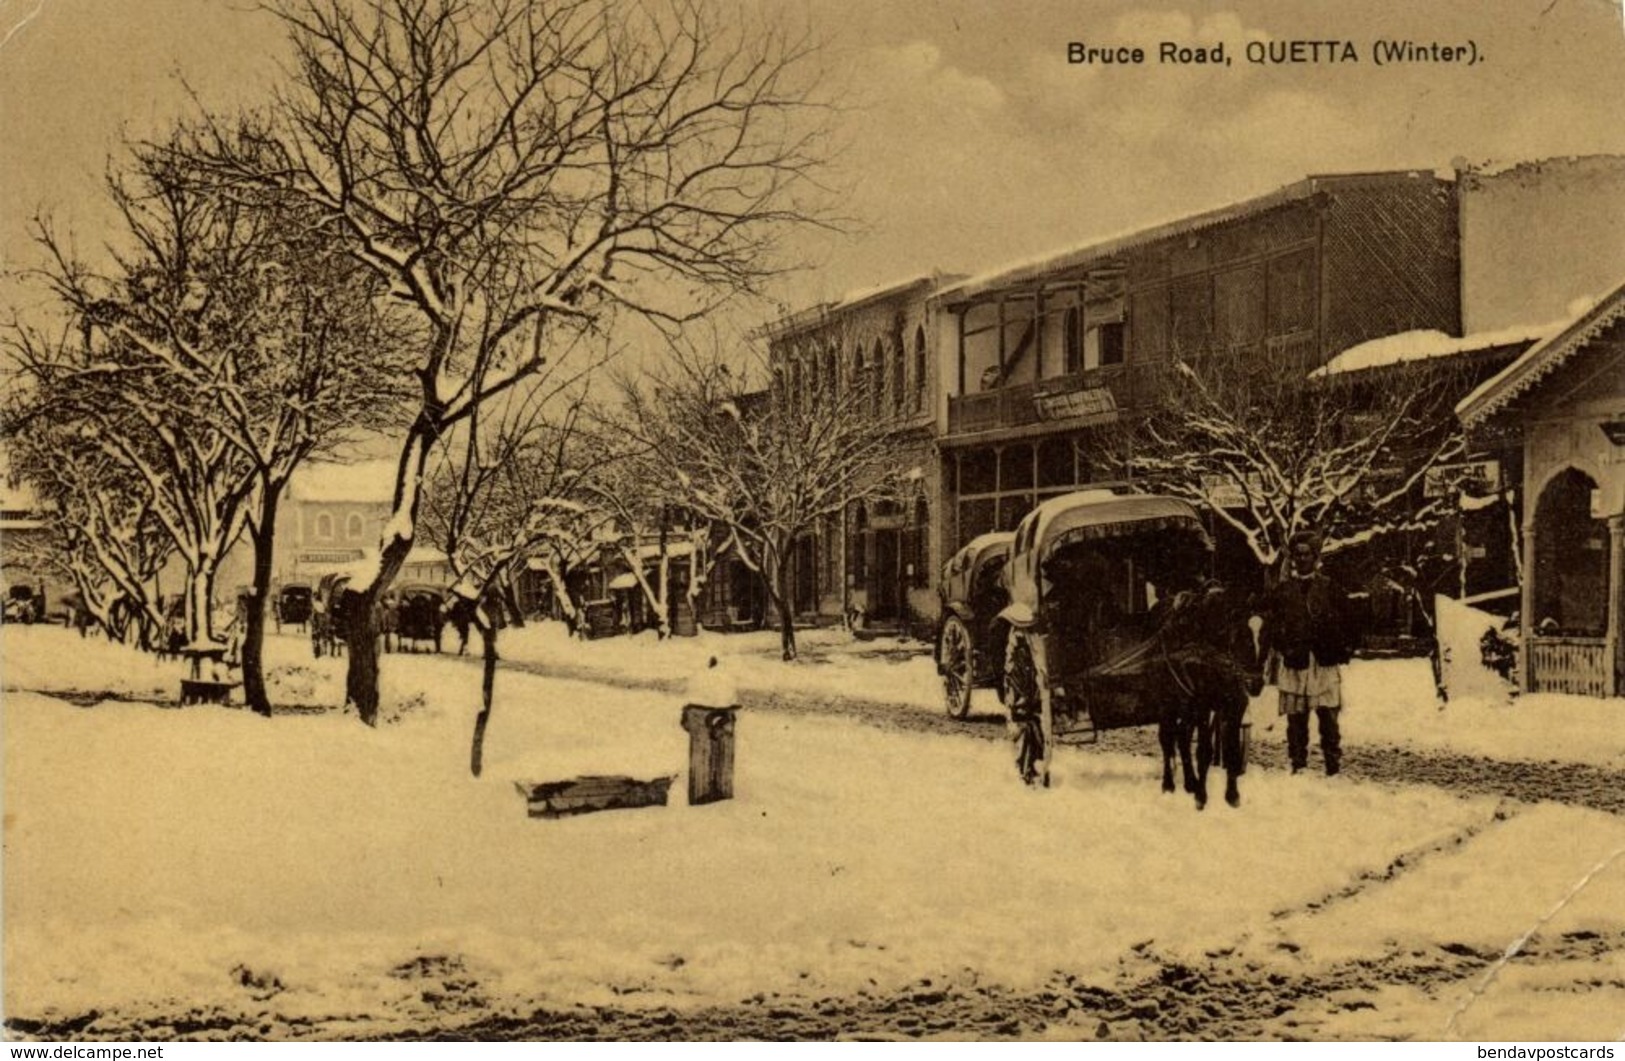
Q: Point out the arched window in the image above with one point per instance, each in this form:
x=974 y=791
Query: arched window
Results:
x=899 y=384
x=324 y=526
x=877 y=367
x=859 y=381
x=832 y=372
x=919 y=369
x=354 y=526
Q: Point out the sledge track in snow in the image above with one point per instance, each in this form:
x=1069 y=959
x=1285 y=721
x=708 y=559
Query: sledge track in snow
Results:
x=1575 y=784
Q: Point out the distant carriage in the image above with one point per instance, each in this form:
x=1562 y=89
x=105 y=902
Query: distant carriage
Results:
x=292 y=605
x=327 y=615
x=971 y=634
x=420 y=615
x=24 y=604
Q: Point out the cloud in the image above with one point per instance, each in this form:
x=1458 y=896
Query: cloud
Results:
x=916 y=72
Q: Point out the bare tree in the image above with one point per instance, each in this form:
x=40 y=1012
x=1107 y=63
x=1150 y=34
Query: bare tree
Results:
x=100 y=532
x=116 y=387
x=236 y=326
x=521 y=173
x=1270 y=452
x=765 y=465
x=503 y=488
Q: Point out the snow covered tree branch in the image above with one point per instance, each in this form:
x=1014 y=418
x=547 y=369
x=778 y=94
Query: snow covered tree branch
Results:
x=520 y=175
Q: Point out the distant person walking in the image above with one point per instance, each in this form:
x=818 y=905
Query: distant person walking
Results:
x=1308 y=635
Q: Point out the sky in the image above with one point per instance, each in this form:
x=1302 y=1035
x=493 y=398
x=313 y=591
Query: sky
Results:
x=967 y=139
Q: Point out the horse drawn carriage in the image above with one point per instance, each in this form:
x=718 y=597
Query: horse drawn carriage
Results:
x=1109 y=624
x=971 y=635
x=420 y=615
x=292 y=605
x=327 y=615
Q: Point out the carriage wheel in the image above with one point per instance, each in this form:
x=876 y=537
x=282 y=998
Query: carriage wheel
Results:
x=958 y=658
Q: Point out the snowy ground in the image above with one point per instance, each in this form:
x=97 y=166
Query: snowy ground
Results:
x=308 y=876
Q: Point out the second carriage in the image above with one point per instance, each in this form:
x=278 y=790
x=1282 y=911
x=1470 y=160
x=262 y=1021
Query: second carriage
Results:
x=1067 y=615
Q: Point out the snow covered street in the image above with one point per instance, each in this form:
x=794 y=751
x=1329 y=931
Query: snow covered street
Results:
x=206 y=872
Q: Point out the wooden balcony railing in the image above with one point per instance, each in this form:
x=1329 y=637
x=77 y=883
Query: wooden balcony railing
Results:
x=1029 y=403
x=1577 y=665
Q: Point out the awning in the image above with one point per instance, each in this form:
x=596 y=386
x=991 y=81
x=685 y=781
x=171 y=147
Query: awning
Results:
x=625 y=580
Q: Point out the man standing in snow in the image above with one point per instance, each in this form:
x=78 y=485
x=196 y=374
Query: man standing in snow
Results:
x=1308 y=635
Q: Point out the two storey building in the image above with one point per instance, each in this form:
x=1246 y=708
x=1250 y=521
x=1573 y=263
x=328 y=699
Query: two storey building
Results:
x=1044 y=361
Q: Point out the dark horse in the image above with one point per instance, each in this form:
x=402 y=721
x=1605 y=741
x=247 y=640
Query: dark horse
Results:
x=1209 y=648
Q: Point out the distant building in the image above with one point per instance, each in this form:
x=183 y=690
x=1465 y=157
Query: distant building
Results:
x=1039 y=358
x=24 y=542
x=1537 y=236
x=878 y=559
x=332 y=516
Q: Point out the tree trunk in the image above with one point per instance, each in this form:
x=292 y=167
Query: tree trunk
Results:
x=488 y=636
x=360 y=630
x=264 y=539
x=200 y=603
x=787 y=627
x=360 y=633
x=510 y=597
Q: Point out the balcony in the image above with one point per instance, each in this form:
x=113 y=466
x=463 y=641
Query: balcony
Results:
x=1096 y=396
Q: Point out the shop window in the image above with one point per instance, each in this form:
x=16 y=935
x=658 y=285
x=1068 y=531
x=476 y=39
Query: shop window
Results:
x=919 y=540
x=1012 y=508
x=978 y=471
x=1056 y=462
x=976 y=517
x=1016 y=467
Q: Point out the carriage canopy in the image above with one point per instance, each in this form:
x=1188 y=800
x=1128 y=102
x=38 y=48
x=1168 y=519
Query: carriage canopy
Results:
x=1157 y=531
x=959 y=573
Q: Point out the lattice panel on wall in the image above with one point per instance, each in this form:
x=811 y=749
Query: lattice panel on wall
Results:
x=1391 y=261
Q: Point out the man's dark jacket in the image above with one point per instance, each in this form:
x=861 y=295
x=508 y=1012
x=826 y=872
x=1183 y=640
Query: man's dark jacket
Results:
x=1308 y=616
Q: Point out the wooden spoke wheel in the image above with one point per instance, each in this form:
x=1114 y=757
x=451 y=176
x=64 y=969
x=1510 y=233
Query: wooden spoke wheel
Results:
x=958 y=658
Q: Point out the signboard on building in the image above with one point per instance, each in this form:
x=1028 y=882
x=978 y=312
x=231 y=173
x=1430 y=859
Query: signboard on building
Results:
x=1226 y=491
x=1476 y=478
x=1066 y=405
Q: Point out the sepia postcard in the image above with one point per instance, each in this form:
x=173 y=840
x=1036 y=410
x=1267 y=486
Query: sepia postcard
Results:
x=1096 y=521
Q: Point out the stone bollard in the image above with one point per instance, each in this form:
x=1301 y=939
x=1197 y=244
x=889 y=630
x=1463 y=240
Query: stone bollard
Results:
x=710 y=752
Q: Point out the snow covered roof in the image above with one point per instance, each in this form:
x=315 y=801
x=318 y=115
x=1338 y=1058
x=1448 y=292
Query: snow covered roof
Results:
x=819 y=313
x=1098 y=251
x=1426 y=345
x=364 y=481
x=1499 y=391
